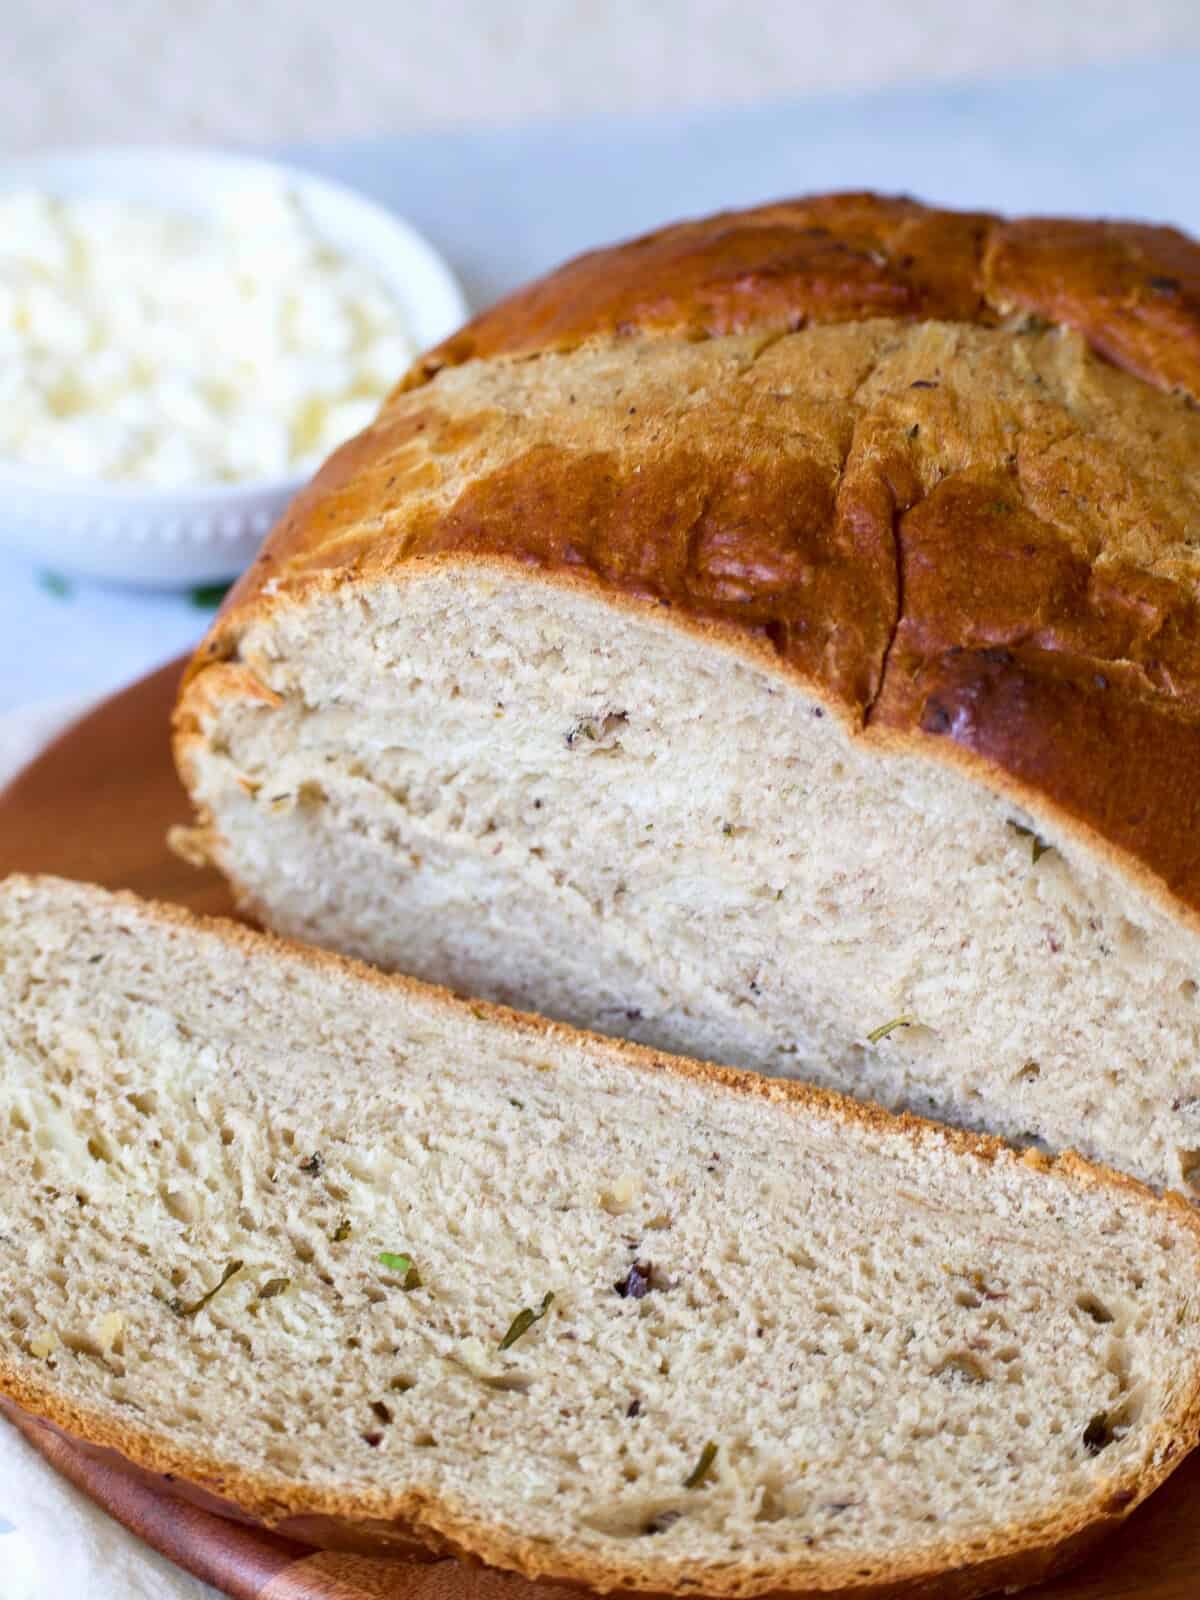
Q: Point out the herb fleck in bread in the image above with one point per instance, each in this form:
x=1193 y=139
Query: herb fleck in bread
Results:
x=333 y=1245
x=755 y=635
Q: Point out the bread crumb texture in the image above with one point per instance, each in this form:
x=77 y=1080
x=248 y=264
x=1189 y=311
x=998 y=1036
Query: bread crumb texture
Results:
x=332 y=1243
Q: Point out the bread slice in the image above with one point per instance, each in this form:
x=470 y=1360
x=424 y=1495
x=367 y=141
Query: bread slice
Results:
x=775 y=641
x=371 y=1262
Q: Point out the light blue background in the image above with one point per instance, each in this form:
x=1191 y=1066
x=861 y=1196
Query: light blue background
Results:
x=502 y=205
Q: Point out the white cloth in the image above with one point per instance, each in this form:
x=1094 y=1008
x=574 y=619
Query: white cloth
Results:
x=54 y=1543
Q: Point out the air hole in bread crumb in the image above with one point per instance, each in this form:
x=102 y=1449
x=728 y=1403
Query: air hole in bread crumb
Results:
x=506 y=1382
x=771 y=1507
x=1094 y=1308
x=1100 y=1432
x=1189 y=1168
x=620 y=1198
x=960 y=1366
x=181 y=1205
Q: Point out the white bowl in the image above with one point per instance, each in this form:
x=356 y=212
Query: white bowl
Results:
x=172 y=537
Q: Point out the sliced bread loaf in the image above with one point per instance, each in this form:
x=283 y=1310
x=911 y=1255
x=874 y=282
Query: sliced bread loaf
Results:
x=774 y=640
x=369 y=1261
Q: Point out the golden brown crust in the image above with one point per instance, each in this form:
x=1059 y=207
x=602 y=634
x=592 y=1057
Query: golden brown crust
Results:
x=867 y=506
x=1063 y=727
x=343 y=1519
x=1131 y=289
x=395 y=1540
x=827 y=258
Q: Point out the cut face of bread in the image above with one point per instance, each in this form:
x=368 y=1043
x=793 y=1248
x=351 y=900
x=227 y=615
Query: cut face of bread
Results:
x=528 y=793
x=331 y=1244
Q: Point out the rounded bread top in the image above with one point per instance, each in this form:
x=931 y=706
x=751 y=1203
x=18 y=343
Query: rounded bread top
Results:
x=941 y=467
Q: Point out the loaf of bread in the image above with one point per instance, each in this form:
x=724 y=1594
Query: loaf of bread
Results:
x=383 y=1268
x=775 y=640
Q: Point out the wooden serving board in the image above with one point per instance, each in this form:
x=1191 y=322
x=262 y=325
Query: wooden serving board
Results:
x=96 y=805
